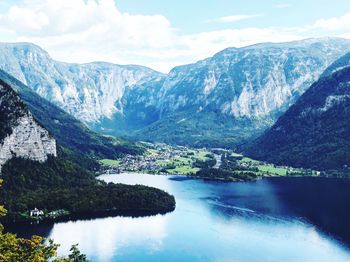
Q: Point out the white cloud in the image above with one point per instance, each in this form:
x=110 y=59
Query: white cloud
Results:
x=85 y=30
x=218 y=40
x=346 y=35
x=87 y=20
x=334 y=23
x=233 y=18
x=90 y=30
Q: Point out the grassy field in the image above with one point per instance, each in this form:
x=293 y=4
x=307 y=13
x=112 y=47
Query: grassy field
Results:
x=110 y=162
x=185 y=170
x=273 y=170
x=184 y=164
x=201 y=155
x=249 y=160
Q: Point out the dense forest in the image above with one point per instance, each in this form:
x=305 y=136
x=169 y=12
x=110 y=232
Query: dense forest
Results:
x=314 y=132
x=229 y=170
x=13 y=248
x=60 y=183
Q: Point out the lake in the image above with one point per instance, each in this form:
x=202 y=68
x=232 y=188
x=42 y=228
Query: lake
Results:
x=274 y=219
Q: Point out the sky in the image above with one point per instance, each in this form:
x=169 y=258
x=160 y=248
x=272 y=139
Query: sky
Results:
x=162 y=34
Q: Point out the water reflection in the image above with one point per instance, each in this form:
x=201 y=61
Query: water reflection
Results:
x=103 y=238
x=268 y=220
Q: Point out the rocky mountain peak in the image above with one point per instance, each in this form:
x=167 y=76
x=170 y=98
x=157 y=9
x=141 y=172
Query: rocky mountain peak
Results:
x=249 y=87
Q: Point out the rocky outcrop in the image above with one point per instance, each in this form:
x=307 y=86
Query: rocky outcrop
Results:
x=24 y=137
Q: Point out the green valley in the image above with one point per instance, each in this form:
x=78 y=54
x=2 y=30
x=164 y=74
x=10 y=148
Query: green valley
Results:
x=220 y=164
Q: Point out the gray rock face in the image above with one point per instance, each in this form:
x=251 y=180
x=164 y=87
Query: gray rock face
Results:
x=87 y=91
x=256 y=83
x=250 y=86
x=26 y=138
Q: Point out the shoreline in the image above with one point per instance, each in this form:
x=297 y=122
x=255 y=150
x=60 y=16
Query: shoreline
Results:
x=142 y=213
x=89 y=216
x=223 y=179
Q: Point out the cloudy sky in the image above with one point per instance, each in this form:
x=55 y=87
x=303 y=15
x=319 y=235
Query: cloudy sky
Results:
x=162 y=34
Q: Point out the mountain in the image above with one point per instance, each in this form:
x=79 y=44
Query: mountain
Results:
x=86 y=91
x=341 y=63
x=237 y=93
x=69 y=132
x=314 y=132
x=220 y=101
x=41 y=169
x=21 y=135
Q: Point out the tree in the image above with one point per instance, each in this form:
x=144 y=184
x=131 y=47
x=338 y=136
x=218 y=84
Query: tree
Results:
x=75 y=255
x=13 y=248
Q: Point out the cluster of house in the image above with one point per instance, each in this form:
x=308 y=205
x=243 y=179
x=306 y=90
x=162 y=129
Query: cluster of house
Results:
x=53 y=214
x=36 y=212
x=137 y=163
x=151 y=162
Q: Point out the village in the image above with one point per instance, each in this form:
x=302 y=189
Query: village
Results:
x=159 y=159
x=163 y=159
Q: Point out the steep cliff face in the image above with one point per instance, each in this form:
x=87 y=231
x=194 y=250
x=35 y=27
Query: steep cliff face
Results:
x=21 y=135
x=254 y=81
x=234 y=95
x=239 y=88
x=87 y=91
